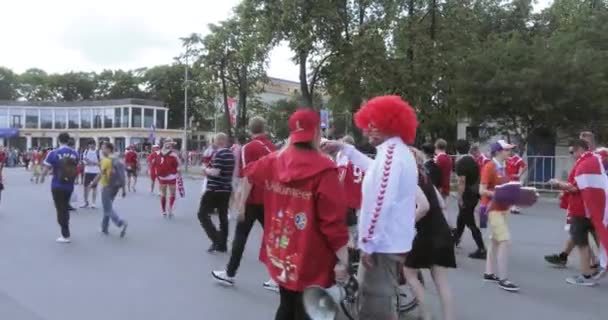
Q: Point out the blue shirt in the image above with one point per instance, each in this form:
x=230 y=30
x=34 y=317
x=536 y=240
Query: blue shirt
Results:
x=52 y=160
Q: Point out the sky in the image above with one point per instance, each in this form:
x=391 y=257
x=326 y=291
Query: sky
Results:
x=86 y=35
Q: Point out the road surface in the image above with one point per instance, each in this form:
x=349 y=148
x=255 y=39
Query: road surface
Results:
x=161 y=270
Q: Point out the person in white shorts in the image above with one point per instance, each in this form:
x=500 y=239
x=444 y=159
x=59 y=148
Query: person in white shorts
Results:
x=91 y=160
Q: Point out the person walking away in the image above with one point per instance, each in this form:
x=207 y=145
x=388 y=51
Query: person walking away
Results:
x=153 y=159
x=387 y=216
x=63 y=161
x=217 y=194
x=167 y=170
x=430 y=166
x=433 y=246
x=36 y=165
x=580 y=223
x=27 y=157
x=91 y=159
x=112 y=179
x=258 y=147
x=516 y=167
x=467 y=172
x=445 y=164
x=305 y=237
x=492 y=176
x=132 y=164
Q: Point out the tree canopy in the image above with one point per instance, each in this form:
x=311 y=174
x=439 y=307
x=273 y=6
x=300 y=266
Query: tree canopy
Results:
x=488 y=61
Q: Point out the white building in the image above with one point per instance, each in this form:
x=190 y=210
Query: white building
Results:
x=122 y=122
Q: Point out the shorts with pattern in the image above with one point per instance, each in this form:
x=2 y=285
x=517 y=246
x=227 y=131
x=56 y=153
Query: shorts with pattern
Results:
x=580 y=228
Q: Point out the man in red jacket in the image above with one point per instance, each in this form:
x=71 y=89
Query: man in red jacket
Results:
x=305 y=235
x=152 y=163
x=258 y=147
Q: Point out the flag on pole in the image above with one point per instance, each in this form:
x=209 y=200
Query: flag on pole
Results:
x=152 y=134
x=324 y=114
x=592 y=182
x=233 y=109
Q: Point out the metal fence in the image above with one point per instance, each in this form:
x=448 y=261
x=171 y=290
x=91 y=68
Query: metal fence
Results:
x=540 y=169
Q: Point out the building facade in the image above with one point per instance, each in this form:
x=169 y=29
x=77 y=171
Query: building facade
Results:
x=26 y=125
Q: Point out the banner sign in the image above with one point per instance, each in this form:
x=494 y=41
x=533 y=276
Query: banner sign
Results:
x=233 y=109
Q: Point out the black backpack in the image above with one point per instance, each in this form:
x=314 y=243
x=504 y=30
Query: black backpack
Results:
x=67 y=169
x=432 y=172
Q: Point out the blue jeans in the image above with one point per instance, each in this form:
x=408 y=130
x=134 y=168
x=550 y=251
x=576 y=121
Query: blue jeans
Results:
x=107 y=199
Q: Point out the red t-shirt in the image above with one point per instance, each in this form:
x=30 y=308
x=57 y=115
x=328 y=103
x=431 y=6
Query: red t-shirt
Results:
x=131 y=159
x=351 y=178
x=514 y=165
x=259 y=147
x=2 y=157
x=304 y=217
x=481 y=162
x=167 y=165
x=37 y=157
x=574 y=200
x=444 y=162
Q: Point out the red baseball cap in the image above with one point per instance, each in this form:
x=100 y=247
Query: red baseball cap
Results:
x=303 y=125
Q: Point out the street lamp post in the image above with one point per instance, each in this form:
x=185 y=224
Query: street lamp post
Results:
x=185 y=138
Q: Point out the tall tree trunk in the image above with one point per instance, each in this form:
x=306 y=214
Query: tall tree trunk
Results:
x=410 y=50
x=225 y=94
x=306 y=95
x=243 y=93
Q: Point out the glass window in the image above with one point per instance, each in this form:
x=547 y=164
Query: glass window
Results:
x=97 y=118
x=160 y=119
x=125 y=117
x=31 y=118
x=136 y=117
x=108 y=116
x=148 y=117
x=3 y=118
x=46 y=119
x=85 y=118
x=117 y=118
x=73 y=116
x=16 y=118
x=60 y=118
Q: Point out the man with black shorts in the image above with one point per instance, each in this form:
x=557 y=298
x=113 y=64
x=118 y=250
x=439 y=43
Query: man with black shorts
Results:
x=91 y=160
x=132 y=167
x=467 y=171
x=580 y=224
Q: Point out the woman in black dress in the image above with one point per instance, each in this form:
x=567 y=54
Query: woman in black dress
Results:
x=433 y=246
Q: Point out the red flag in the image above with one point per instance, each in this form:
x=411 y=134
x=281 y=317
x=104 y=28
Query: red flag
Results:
x=180 y=186
x=592 y=182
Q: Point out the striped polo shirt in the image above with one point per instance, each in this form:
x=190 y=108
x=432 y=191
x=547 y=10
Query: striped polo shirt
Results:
x=223 y=160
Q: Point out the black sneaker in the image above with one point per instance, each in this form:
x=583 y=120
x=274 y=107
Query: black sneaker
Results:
x=479 y=254
x=557 y=260
x=490 y=277
x=508 y=285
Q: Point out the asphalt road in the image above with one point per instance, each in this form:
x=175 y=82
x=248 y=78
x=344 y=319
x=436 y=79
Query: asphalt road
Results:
x=161 y=271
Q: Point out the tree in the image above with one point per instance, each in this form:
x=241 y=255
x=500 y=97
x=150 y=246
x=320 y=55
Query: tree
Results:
x=8 y=84
x=34 y=86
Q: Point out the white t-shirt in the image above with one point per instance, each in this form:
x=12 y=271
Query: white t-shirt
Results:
x=91 y=160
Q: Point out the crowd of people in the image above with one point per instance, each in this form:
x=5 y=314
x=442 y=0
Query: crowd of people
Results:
x=319 y=201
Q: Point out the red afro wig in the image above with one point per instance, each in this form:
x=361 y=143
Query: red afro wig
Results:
x=391 y=115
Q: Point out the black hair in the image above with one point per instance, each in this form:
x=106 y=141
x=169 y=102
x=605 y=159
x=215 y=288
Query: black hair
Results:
x=463 y=146
x=304 y=145
x=109 y=145
x=71 y=142
x=580 y=143
x=428 y=149
x=64 y=138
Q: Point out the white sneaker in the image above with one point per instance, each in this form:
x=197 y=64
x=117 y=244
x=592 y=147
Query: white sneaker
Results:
x=63 y=240
x=84 y=205
x=93 y=206
x=271 y=285
x=222 y=278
